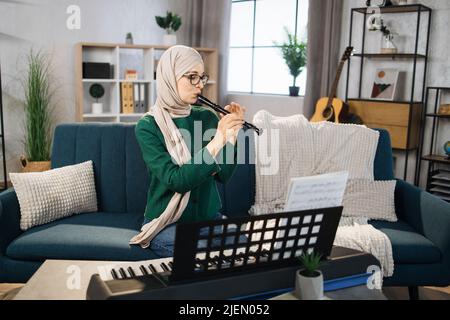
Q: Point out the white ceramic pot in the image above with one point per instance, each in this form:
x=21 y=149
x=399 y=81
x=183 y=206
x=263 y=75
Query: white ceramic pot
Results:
x=97 y=108
x=169 y=39
x=309 y=288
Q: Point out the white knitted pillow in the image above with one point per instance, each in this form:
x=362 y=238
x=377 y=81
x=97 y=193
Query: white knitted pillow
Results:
x=55 y=194
x=374 y=200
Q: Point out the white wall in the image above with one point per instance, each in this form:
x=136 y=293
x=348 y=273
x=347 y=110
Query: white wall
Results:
x=41 y=24
x=405 y=25
x=282 y=106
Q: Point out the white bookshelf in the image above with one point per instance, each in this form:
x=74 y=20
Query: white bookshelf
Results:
x=144 y=59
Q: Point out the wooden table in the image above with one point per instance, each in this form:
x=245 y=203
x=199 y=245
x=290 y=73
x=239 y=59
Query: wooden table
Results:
x=68 y=280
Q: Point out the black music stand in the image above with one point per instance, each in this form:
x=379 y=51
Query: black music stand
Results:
x=217 y=248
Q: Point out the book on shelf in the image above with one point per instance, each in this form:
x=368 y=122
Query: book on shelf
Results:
x=136 y=101
x=127 y=100
x=143 y=101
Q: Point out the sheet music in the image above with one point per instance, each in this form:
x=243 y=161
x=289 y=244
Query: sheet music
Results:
x=316 y=192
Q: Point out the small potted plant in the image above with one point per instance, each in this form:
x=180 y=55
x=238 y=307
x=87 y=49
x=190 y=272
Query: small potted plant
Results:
x=295 y=55
x=171 y=23
x=309 y=280
x=97 y=91
x=129 y=38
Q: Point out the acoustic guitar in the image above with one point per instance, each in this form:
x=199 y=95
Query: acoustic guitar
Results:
x=330 y=108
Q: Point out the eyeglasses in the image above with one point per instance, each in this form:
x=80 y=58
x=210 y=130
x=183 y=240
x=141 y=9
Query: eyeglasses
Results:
x=195 y=78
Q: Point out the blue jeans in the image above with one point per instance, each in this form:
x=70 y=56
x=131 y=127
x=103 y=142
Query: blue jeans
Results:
x=164 y=242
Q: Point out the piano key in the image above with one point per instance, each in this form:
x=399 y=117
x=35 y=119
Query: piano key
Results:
x=143 y=270
x=170 y=265
x=131 y=272
x=122 y=273
x=164 y=266
x=114 y=274
x=152 y=268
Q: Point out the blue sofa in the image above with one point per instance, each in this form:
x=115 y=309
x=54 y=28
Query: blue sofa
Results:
x=420 y=239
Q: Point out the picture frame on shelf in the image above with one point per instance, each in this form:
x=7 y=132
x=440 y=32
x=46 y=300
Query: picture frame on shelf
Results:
x=131 y=75
x=385 y=83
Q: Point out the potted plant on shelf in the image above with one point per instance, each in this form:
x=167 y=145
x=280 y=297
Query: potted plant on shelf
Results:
x=309 y=280
x=171 y=23
x=38 y=114
x=97 y=91
x=129 y=38
x=295 y=55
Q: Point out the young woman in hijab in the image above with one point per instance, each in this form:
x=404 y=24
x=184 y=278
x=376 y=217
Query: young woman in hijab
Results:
x=182 y=182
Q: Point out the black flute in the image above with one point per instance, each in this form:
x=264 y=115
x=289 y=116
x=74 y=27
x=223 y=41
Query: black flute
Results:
x=218 y=108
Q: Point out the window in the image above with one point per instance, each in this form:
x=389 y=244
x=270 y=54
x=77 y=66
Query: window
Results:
x=255 y=61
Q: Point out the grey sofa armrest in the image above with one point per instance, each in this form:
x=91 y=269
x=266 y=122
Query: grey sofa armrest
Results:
x=9 y=219
x=426 y=213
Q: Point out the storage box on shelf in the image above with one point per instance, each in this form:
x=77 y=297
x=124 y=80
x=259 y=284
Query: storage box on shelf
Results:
x=392 y=116
x=126 y=100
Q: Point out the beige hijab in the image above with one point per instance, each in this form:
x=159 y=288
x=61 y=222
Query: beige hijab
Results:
x=175 y=62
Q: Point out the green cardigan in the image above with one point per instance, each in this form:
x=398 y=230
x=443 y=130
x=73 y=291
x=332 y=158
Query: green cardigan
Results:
x=197 y=176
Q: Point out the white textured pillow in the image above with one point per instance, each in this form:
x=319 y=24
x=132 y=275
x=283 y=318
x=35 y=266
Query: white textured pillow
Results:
x=55 y=194
x=374 y=200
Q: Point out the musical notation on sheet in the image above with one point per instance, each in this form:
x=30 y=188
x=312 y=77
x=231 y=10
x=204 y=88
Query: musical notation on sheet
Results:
x=316 y=192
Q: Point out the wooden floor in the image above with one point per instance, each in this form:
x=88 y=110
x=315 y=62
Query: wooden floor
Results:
x=425 y=293
x=8 y=291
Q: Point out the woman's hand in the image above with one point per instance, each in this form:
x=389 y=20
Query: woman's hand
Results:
x=235 y=108
x=228 y=128
x=239 y=111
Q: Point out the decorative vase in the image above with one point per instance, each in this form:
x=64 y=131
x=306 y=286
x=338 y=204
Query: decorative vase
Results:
x=309 y=288
x=34 y=166
x=293 y=91
x=388 y=46
x=97 y=108
x=170 y=39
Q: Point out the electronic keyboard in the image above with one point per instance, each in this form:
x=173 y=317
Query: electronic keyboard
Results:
x=150 y=279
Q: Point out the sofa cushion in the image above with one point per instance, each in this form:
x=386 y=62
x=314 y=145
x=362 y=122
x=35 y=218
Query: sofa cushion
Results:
x=89 y=236
x=55 y=194
x=370 y=199
x=408 y=246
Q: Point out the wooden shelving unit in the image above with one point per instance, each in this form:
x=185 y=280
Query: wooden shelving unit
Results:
x=438 y=173
x=401 y=118
x=399 y=9
x=144 y=59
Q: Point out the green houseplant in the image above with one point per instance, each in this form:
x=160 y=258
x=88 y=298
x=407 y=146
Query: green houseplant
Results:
x=97 y=91
x=38 y=114
x=129 y=38
x=309 y=280
x=171 y=23
x=294 y=54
